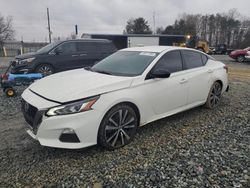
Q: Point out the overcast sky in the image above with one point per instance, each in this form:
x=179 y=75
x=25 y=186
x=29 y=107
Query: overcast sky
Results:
x=103 y=16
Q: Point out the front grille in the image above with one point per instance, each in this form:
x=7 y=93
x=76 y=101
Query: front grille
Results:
x=31 y=115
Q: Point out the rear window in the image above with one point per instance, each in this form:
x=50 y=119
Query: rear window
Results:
x=192 y=59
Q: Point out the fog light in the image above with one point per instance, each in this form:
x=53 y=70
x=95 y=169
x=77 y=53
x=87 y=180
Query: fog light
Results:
x=68 y=131
x=69 y=135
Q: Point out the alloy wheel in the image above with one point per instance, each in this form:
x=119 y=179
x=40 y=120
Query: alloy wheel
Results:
x=120 y=127
x=215 y=94
x=240 y=59
x=45 y=70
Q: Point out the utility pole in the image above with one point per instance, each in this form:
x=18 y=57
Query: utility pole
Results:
x=49 y=25
x=154 y=21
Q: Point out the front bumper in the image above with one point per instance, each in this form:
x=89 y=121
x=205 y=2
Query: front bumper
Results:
x=21 y=68
x=48 y=130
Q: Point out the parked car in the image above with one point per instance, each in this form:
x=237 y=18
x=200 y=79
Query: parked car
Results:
x=64 y=55
x=221 y=49
x=130 y=88
x=240 y=55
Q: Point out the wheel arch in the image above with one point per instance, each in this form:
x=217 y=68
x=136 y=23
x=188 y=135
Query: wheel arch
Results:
x=44 y=63
x=129 y=103
x=220 y=82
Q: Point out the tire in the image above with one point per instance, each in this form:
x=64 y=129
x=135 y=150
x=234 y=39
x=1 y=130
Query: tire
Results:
x=118 y=127
x=10 y=92
x=45 y=69
x=214 y=96
x=240 y=58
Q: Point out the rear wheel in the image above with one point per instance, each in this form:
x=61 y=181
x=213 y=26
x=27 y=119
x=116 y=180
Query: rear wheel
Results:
x=118 y=127
x=240 y=58
x=214 y=96
x=45 y=69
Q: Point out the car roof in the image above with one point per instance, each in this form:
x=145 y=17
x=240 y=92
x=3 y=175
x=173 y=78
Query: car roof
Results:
x=87 y=40
x=157 y=49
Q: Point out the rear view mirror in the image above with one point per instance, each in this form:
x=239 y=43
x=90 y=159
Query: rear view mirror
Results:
x=160 y=73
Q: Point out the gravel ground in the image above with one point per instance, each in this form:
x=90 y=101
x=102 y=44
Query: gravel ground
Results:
x=196 y=148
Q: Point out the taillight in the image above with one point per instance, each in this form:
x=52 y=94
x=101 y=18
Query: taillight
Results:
x=226 y=67
x=5 y=76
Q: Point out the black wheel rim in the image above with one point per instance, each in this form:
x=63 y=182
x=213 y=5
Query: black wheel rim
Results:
x=45 y=70
x=120 y=128
x=215 y=95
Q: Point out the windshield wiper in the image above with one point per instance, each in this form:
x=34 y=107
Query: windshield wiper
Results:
x=102 y=72
x=88 y=68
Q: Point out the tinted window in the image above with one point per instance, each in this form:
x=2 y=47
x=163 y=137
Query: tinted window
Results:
x=171 y=61
x=87 y=47
x=67 y=48
x=204 y=59
x=192 y=59
x=106 y=47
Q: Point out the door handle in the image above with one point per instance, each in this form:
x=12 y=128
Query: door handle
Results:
x=75 y=55
x=83 y=54
x=210 y=71
x=183 y=80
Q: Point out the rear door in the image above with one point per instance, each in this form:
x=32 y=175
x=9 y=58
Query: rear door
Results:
x=198 y=76
x=106 y=49
x=89 y=53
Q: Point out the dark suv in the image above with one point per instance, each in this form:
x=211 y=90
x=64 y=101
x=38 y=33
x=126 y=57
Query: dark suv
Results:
x=64 y=55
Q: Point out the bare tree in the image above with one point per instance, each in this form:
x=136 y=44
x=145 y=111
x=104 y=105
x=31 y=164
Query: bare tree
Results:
x=6 y=29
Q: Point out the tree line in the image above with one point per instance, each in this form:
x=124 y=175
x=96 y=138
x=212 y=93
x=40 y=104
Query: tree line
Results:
x=229 y=28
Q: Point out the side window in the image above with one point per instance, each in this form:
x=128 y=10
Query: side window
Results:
x=192 y=59
x=106 y=47
x=204 y=59
x=171 y=61
x=87 y=47
x=67 y=48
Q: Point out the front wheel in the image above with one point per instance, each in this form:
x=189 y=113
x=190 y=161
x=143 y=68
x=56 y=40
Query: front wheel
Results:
x=240 y=58
x=214 y=96
x=118 y=127
x=45 y=69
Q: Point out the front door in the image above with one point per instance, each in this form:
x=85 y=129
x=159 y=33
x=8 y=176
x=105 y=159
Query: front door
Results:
x=168 y=94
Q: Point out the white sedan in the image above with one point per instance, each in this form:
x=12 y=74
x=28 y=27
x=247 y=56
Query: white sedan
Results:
x=105 y=104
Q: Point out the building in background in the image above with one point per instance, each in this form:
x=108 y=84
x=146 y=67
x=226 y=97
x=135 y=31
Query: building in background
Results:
x=132 y=40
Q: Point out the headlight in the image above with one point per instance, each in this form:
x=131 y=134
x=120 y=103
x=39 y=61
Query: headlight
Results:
x=72 y=108
x=28 y=60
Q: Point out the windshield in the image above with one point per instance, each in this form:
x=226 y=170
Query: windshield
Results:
x=125 y=63
x=48 y=47
x=248 y=48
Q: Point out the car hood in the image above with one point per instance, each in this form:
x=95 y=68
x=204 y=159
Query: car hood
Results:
x=78 y=84
x=28 y=55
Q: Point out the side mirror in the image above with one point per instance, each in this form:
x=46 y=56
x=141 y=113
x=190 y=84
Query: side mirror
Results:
x=160 y=73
